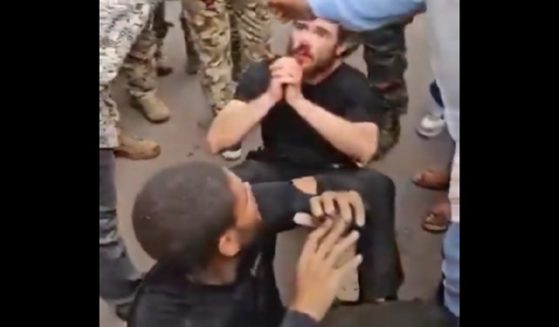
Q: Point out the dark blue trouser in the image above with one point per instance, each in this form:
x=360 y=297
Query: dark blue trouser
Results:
x=451 y=269
x=118 y=278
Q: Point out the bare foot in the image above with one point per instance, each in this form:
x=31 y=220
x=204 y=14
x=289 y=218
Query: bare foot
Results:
x=433 y=179
x=438 y=218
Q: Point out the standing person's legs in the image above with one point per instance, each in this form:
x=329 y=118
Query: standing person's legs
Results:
x=161 y=28
x=451 y=269
x=438 y=216
x=432 y=124
x=123 y=144
x=253 y=20
x=193 y=61
x=140 y=69
x=118 y=278
x=236 y=51
x=210 y=29
x=451 y=245
x=250 y=34
x=385 y=56
x=380 y=275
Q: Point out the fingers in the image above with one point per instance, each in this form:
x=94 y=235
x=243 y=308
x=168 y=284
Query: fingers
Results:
x=358 y=207
x=286 y=71
x=323 y=205
x=349 y=266
x=340 y=247
x=349 y=205
x=331 y=240
x=316 y=207
x=328 y=203
x=309 y=249
x=287 y=64
x=285 y=79
x=283 y=72
x=344 y=207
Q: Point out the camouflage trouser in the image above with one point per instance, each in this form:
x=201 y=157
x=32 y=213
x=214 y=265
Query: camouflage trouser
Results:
x=190 y=50
x=160 y=28
x=139 y=66
x=215 y=25
x=385 y=55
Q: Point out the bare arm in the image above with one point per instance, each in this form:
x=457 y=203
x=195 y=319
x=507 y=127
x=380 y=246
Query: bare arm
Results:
x=236 y=120
x=356 y=140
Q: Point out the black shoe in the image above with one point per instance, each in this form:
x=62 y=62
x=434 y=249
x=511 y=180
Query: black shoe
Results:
x=164 y=71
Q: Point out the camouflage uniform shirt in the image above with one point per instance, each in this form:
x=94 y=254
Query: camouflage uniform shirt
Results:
x=120 y=23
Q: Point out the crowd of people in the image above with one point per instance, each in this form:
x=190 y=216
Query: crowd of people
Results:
x=212 y=230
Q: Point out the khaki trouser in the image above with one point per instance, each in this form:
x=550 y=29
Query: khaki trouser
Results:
x=228 y=35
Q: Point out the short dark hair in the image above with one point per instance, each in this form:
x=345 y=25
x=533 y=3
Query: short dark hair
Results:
x=180 y=213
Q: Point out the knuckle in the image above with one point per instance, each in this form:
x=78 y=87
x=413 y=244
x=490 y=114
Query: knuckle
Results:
x=354 y=195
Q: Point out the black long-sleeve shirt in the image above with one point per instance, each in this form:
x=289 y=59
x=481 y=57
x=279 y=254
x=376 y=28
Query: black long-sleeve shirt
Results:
x=297 y=319
x=168 y=299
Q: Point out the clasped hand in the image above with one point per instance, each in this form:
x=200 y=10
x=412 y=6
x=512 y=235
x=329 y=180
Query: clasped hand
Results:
x=285 y=81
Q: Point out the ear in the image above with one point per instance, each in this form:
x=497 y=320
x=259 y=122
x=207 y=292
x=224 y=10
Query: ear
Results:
x=341 y=49
x=229 y=245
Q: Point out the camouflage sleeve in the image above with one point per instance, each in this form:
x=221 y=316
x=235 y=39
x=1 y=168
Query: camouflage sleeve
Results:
x=253 y=82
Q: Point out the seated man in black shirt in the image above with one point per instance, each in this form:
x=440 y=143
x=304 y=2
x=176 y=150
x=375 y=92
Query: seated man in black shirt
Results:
x=316 y=112
x=203 y=225
x=318 y=115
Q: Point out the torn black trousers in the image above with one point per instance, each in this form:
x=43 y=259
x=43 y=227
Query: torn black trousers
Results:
x=380 y=275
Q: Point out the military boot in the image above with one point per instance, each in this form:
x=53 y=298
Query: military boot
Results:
x=135 y=148
x=152 y=106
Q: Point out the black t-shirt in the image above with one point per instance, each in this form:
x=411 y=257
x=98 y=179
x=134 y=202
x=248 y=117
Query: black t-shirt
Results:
x=288 y=137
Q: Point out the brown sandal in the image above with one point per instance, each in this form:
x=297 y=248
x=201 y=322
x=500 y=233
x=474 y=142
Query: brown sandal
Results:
x=432 y=179
x=438 y=218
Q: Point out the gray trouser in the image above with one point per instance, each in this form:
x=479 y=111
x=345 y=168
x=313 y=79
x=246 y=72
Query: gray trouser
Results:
x=118 y=278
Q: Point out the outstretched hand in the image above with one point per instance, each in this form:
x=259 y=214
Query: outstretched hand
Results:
x=319 y=272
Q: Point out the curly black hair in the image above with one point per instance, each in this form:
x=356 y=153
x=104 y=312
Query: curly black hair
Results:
x=181 y=211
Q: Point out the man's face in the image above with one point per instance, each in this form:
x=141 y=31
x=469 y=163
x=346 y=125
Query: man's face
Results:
x=314 y=44
x=247 y=218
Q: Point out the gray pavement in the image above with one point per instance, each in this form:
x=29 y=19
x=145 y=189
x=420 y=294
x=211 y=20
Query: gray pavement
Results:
x=182 y=140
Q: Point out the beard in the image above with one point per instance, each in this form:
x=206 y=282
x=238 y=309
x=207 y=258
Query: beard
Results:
x=319 y=64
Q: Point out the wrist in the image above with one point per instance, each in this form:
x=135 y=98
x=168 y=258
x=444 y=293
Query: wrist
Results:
x=302 y=308
x=266 y=101
x=297 y=101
